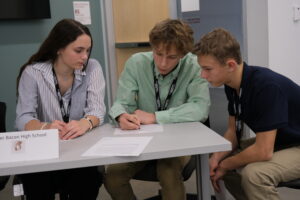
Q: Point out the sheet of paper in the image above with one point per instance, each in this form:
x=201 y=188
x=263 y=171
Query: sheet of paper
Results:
x=190 y=5
x=82 y=12
x=118 y=146
x=151 y=128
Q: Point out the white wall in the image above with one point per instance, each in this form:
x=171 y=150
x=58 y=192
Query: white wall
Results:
x=256 y=32
x=284 y=38
x=272 y=37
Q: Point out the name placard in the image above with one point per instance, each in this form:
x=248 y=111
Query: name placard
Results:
x=29 y=145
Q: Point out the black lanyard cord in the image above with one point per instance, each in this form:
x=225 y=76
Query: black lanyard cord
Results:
x=239 y=125
x=64 y=113
x=157 y=95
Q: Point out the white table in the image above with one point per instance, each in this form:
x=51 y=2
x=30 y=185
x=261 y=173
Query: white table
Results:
x=176 y=140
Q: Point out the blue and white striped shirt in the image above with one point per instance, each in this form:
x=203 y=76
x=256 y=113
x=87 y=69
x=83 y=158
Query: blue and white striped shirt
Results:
x=38 y=98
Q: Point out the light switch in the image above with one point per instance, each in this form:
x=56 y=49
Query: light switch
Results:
x=296 y=12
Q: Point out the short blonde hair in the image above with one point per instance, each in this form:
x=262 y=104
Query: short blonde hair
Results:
x=220 y=44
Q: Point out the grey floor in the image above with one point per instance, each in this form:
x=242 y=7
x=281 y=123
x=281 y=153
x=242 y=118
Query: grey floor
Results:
x=145 y=190
x=218 y=120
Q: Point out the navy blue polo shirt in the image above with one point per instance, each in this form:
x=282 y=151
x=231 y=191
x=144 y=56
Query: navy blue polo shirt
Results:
x=269 y=101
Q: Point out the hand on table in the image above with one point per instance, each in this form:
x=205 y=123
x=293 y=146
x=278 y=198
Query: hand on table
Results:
x=145 y=117
x=129 y=121
x=69 y=130
x=74 y=129
x=57 y=124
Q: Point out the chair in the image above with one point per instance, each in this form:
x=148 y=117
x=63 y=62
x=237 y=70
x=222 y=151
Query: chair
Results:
x=62 y=196
x=17 y=182
x=149 y=172
x=3 y=179
x=2 y=116
x=295 y=184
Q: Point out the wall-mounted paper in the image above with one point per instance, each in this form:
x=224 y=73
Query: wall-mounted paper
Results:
x=190 y=5
x=82 y=12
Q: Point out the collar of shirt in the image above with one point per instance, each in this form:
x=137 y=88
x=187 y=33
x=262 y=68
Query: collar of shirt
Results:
x=172 y=74
x=245 y=75
x=248 y=72
x=46 y=69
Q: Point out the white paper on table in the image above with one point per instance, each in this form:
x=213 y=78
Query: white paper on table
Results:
x=118 y=146
x=150 y=128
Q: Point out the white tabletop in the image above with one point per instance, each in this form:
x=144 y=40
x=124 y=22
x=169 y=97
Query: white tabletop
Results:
x=179 y=139
x=176 y=140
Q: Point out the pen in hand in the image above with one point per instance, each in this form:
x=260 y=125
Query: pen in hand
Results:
x=134 y=120
x=129 y=121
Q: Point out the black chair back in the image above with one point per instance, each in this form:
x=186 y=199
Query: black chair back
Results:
x=3 y=179
x=2 y=116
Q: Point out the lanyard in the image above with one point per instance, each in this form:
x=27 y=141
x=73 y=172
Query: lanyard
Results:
x=239 y=125
x=157 y=96
x=64 y=113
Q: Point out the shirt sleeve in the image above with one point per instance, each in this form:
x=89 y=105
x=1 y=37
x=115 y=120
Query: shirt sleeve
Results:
x=27 y=100
x=125 y=101
x=96 y=93
x=195 y=109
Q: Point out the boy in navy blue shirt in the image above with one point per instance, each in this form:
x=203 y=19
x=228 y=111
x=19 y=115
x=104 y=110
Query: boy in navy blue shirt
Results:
x=269 y=104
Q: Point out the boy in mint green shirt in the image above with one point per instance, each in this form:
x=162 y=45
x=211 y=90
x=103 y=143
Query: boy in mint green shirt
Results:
x=161 y=86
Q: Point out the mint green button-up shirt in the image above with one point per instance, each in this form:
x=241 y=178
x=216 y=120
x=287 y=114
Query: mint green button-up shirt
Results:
x=189 y=102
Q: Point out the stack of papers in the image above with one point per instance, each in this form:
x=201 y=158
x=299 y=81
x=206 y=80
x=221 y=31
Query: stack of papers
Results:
x=118 y=146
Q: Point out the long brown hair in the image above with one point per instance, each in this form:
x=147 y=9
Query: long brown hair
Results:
x=62 y=34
